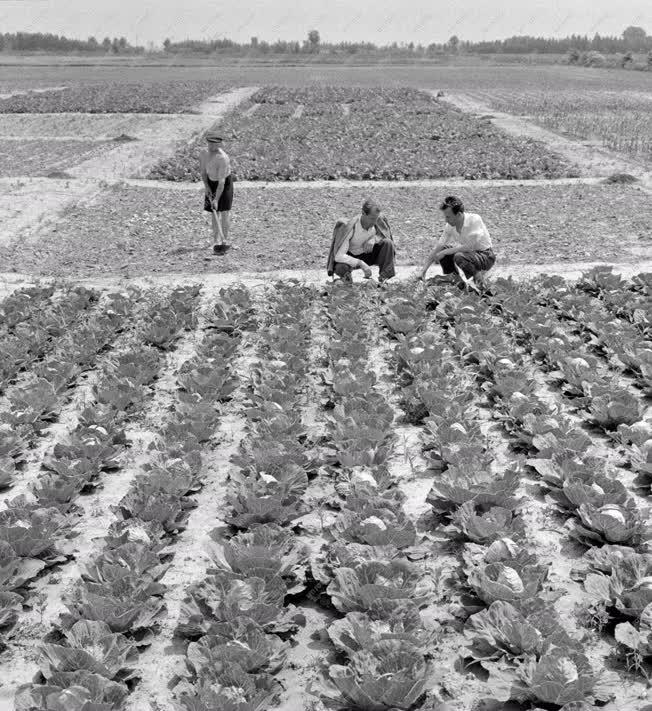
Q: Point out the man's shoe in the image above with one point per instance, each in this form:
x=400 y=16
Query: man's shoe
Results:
x=218 y=249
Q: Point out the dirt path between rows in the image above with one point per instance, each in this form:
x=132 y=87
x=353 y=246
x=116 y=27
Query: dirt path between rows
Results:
x=10 y=281
x=591 y=157
x=40 y=90
x=138 y=157
x=435 y=183
x=27 y=207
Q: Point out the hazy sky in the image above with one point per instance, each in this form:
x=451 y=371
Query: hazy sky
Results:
x=379 y=21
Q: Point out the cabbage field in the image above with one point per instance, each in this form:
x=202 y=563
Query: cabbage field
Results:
x=228 y=484
x=327 y=497
x=334 y=132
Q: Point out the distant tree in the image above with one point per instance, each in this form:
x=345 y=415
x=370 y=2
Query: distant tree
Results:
x=453 y=43
x=167 y=43
x=254 y=42
x=115 y=46
x=635 y=37
x=627 y=59
x=313 y=42
x=106 y=44
x=574 y=56
x=649 y=59
x=594 y=59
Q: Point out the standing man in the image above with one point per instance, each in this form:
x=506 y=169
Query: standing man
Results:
x=465 y=246
x=218 y=181
x=364 y=241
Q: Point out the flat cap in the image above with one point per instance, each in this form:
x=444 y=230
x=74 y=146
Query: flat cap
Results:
x=213 y=136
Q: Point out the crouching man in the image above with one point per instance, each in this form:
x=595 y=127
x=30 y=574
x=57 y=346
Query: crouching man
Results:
x=361 y=243
x=465 y=247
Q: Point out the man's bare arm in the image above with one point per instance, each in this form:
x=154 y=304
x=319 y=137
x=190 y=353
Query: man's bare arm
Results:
x=204 y=174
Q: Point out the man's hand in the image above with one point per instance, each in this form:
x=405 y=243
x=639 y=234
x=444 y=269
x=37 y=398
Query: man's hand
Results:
x=366 y=270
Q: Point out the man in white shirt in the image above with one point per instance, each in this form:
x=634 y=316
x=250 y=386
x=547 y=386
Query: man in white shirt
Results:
x=361 y=243
x=465 y=246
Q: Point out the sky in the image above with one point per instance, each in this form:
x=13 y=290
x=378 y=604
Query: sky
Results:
x=378 y=21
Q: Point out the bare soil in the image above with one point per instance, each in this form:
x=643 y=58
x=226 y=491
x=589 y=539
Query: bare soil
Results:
x=134 y=231
x=29 y=207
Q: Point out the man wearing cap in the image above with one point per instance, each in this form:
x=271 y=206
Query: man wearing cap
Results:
x=218 y=181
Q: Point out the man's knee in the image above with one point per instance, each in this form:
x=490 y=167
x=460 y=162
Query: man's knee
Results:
x=342 y=270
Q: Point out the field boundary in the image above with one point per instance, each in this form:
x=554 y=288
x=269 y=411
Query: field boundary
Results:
x=210 y=282
x=592 y=158
x=313 y=184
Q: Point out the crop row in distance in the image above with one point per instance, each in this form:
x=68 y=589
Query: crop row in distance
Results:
x=618 y=120
x=386 y=134
x=164 y=97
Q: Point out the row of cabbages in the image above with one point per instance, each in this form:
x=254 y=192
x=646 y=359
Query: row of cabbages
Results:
x=35 y=402
x=600 y=393
x=34 y=527
x=31 y=322
x=586 y=326
x=628 y=299
x=237 y=619
x=513 y=629
x=576 y=482
x=23 y=305
x=368 y=569
x=86 y=660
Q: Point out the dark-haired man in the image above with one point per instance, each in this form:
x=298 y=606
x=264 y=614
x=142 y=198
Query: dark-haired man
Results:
x=215 y=168
x=465 y=247
x=364 y=241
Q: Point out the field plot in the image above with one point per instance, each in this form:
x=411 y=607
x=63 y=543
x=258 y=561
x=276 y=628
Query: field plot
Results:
x=279 y=498
x=619 y=121
x=366 y=134
x=40 y=158
x=118 y=97
x=81 y=126
x=134 y=230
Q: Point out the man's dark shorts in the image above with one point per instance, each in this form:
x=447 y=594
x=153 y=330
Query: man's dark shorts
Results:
x=226 y=198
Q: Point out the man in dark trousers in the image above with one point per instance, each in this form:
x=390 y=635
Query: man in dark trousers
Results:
x=361 y=243
x=218 y=182
x=465 y=248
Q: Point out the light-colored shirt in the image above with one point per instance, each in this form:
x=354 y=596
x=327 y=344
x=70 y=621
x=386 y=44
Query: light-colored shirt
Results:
x=473 y=234
x=359 y=241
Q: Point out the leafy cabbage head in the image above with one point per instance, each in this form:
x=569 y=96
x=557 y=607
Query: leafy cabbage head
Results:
x=387 y=675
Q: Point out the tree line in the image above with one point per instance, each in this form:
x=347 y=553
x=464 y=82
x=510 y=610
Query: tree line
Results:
x=633 y=39
x=46 y=42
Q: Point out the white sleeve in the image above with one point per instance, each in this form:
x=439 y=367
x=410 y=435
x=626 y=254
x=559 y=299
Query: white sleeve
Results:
x=446 y=237
x=480 y=234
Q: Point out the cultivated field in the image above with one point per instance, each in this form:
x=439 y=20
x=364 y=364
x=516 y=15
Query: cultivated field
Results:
x=619 y=121
x=224 y=491
x=293 y=491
